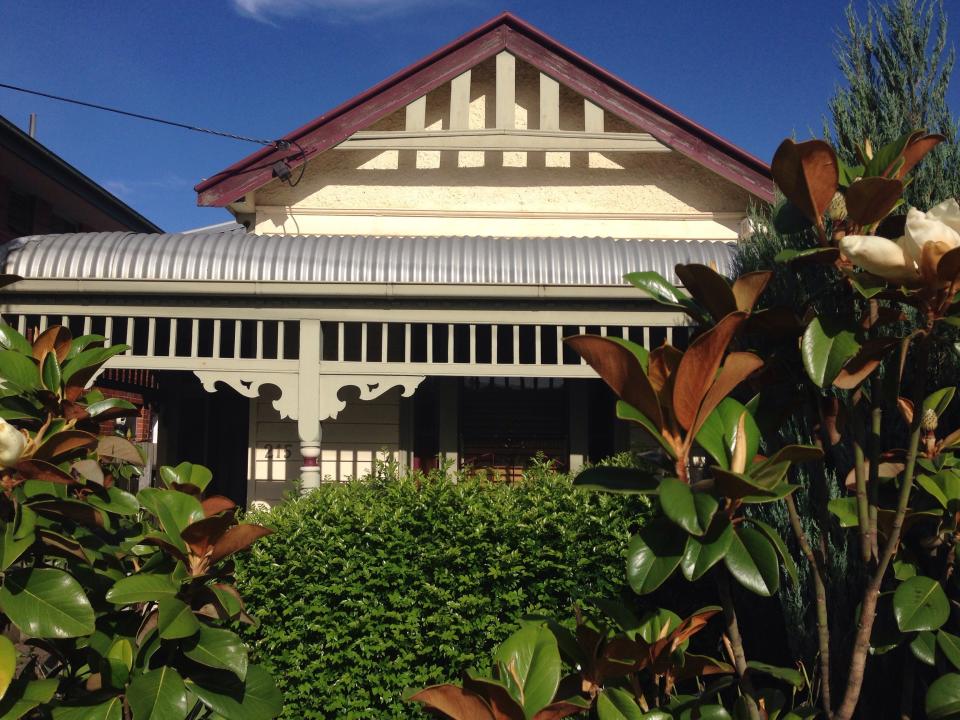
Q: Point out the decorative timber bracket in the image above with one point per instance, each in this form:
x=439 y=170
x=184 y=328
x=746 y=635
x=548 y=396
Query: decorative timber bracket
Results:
x=329 y=404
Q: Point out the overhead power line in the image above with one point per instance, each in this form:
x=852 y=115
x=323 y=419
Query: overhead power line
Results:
x=140 y=116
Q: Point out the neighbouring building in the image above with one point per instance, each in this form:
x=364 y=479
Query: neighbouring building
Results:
x=405 y=267
x=40 y=194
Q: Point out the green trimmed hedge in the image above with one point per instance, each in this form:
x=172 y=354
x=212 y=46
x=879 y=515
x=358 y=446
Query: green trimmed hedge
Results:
x=372 y=587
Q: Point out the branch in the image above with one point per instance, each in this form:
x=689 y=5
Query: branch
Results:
x=823 y=626
x=868 y=612
x=736 y=643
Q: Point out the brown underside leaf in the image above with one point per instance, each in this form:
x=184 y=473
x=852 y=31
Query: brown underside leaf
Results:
x=949 y=266
x=884 y=470
x=748 y=288
x=88 y=469
x=41 y=470
x=203 y=534
x=216 y=504
x=906 y=409
x=114 y=447
x=78 y=382
x=708 y=287
x=807 y=173
x=736 y=368
x=860 y=366
x=871 y=199
x=930 y=256
x=237 y=538
x=620 y=369
x=65 y=443
x=455 y=702
x=79 y=512
x=698 y=368
x=917 y=147
x=54 y=339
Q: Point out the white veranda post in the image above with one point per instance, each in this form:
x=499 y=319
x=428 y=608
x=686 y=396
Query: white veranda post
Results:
x=309 y=401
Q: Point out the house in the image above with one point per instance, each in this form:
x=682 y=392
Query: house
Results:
x=40 y=193
x=406 y=267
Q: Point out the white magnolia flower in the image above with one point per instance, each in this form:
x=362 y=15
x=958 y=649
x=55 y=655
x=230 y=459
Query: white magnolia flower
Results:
x=12 y=443
x=899 y=260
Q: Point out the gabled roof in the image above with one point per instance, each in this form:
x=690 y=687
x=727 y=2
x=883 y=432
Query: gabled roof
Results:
x=510 y=33
x=56 y=168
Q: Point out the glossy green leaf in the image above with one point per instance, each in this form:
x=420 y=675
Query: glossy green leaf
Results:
x=50 y=372
x=749 y=489
x=111 y=709
x=920 y=604
x=752 y=561
x=780 y=546
x=530 y=667
x=718 y=433
x=22 y=697
x=256 y=699
x=655 y=624
x=119 y=662
x=616 y=704
x=704 y=712
x=8 y=663
x=827 y=344
x=625 y=481
x=176 y=620
x=924 y=647
x=653 y=555
x=702 y=553
x=89 y=358
x=943 y=698
x=845 y=510
x=10 y=339
x=12 y=546
x=118 y=502
x=788 y=675
x=46 y=603
x=626 y=411
x=142 y=587
x=186 y=474
x=939 y=400
x=82 y=342
x=174 y=509
x=223 y=650
x=158 y=695
x=691 y=511
x=950 y=647
x=19 y=371
x=656 y=286
x=101 y=406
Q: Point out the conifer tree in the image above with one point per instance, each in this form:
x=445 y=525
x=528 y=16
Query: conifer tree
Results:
x=897 y=66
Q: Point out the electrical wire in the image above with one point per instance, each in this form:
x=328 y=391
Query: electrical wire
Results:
x=139 y=116
x=277 y=144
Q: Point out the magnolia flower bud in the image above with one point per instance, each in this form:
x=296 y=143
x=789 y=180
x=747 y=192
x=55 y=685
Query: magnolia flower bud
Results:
x=12 y=443
x=881 y=257
x=928 y=422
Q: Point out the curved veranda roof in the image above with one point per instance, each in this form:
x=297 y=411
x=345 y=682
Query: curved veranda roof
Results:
x=240 y=257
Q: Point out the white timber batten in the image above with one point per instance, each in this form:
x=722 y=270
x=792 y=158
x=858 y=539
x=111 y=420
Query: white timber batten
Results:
x=495 y=139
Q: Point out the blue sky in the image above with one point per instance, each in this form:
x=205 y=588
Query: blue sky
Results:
x=753 y=71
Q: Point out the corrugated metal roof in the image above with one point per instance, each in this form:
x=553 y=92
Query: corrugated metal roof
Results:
x=353 y=258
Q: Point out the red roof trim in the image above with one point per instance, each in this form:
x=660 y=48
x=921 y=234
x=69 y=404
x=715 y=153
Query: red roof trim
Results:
x=505 y=31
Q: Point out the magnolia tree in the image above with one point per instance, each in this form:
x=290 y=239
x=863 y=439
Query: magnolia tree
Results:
x=113 y=605
x=851 y=365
